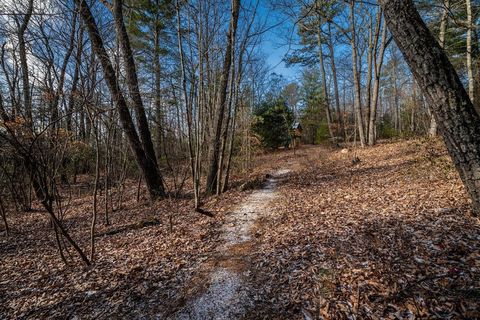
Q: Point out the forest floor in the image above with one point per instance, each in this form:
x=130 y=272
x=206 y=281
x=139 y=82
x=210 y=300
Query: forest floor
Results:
x=390 y=236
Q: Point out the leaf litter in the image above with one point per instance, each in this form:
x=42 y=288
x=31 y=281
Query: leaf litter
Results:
x=389 y=236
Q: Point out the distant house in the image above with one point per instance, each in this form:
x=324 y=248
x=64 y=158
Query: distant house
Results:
x=296 y=135
x=297 y=129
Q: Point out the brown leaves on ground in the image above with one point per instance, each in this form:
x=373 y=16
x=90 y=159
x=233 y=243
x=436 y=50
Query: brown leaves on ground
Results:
x=142 y=268
x=390 y=237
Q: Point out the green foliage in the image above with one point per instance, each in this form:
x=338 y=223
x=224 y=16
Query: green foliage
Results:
x=386 y=130
x=273 y=122
x=143 y=18
x=313 y=118
x=316 y=15
x=322 y=132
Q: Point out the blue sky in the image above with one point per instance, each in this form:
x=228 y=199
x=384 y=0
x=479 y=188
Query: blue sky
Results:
x=275 y=52
x=275 y=43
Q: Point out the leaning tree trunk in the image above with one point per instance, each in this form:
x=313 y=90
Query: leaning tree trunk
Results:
x=134 y=89
x=149 y=171
x=458 y=122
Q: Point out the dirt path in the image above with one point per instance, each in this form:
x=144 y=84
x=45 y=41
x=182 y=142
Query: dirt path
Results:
x=229 y=295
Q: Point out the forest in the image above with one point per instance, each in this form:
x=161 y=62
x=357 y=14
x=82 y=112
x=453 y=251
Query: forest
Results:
x=240 y=159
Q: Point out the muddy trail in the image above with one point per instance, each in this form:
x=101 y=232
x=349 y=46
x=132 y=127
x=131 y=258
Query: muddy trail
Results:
x=228 y=295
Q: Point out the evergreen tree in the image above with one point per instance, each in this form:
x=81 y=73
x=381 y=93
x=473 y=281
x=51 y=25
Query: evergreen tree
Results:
x=273 y=123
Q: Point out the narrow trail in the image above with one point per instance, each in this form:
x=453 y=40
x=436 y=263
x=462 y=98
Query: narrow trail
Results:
x=229 y=296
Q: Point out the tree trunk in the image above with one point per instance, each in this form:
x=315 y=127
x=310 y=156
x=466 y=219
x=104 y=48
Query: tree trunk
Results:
x=61 y=78
x=453 y=110
x=356 y=80
x=324 y=80
x=157 y=93
x=186 y=100
x=372 y=47
x=27 y=99
x=3 y=213
x=376 y=87
x=341 y=125
x=149 y=171
x=396 y=104
x=216 y=141
x=76 y=72
x=134 y=89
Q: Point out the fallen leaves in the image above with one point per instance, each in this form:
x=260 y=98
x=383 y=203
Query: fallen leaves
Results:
x=387 y=238
x=141 y=267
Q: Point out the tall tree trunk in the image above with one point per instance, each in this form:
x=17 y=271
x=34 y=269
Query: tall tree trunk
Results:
x=216 y=141
x=27 y=99
x=149 y=171
x=200 y=119
x=76 y=76
x=341 y=122
x=157 y=93
x=61 y=80
x=378 y=61
x=324 y=79
x=457 y=119
x=356 y=80
x=372 y=47
x=134 y=89
x=396 y=104
x=225 y=132
x=186 y=100
x=414 y=107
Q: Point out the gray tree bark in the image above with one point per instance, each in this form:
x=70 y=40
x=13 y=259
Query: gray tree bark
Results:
x=341 y=122
x=356 y=77
x=324 y=80
x=22 y=27
x=378 y=61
